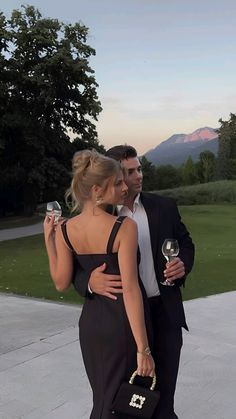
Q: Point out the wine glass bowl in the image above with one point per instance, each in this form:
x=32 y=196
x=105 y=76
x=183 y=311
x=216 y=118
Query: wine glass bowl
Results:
x=54 y=210
x=170 y=249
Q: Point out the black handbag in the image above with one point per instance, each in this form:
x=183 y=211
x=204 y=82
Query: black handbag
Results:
x=135 y=400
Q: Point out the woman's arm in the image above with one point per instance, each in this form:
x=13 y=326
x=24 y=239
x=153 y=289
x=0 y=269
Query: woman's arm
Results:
x=127 y=255
x=59 y=255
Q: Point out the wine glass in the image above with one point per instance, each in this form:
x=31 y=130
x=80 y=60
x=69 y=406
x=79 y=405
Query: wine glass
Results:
x=170 y=249
x=54 y=209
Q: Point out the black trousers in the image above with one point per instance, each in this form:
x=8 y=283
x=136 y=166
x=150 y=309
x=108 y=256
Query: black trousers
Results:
x=167 y=343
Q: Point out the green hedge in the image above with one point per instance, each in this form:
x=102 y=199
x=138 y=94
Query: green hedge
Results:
x=219 y=192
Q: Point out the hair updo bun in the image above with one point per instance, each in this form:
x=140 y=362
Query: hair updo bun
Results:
x=81 y=161
x=89 y=168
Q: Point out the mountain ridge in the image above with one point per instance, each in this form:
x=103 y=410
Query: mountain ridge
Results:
x=177 y=148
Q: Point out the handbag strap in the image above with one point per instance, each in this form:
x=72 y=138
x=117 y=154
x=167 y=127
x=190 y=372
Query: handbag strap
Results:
x=154 y=380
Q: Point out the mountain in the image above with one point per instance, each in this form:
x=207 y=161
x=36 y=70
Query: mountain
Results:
x=176 y=149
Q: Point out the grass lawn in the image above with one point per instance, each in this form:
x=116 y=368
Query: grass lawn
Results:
x=24 y=270
x=24 y=265
x=212 y=228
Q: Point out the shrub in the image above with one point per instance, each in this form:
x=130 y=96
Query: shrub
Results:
x=207 y=193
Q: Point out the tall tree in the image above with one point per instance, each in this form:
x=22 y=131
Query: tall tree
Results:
x=189 y=172
x=149 y=174
x=47 y=94
x=206 y=166
x=227 y=147
x=168 y=177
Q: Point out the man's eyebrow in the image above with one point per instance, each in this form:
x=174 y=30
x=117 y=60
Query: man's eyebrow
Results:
x=134 y=168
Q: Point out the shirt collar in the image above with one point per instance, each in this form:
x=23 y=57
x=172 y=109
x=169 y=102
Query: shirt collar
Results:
x=137 y=202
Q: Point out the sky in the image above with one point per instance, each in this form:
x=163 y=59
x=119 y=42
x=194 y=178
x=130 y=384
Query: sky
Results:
x=163 y=67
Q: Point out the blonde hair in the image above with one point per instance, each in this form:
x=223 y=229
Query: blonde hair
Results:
x=89 y=168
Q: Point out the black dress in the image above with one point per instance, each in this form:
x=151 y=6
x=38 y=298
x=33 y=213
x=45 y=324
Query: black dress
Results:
x=107 y=344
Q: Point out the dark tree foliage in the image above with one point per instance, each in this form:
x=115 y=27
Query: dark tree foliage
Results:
x=167 y=177
x=161 y=177
x=47 y=96
x=227 y=148
x=206 y=166
x=189 y=172
x=149 y=174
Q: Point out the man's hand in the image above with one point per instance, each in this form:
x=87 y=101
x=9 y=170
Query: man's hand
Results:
x=105 y=284
x=174 y=269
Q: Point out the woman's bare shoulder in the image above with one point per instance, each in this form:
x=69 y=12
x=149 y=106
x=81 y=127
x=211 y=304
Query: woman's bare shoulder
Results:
x=128 y=225
x=73 y=220
x=129 y=222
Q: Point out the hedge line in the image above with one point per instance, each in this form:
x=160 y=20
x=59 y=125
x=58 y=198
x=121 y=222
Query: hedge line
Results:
x=219 y=192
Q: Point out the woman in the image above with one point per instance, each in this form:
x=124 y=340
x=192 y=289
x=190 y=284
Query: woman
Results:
x=113 y=334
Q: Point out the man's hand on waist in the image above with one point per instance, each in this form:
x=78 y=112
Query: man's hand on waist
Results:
x=104 y=284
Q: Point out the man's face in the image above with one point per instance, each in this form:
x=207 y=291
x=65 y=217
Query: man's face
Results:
x=133 y=175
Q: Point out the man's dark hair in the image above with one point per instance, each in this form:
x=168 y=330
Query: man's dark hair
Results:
x=121 y=152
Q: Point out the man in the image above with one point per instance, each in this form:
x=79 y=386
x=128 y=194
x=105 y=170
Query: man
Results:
x=157 y=219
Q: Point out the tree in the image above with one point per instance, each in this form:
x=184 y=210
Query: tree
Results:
x=47 y=94
x=168 y=177
x=206 y=166
x=227 y=146
x=189 y=173
x=149 y=174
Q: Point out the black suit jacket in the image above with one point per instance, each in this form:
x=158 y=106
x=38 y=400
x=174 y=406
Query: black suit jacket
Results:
x=164 y=222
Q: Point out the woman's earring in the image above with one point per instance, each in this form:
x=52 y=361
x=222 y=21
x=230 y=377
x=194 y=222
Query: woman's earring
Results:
x=99 y=201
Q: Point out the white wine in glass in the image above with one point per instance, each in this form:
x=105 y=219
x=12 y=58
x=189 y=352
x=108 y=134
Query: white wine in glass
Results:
x=170 y=249
x=54 y=210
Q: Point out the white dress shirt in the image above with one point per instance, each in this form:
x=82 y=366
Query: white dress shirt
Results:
x=146 y=267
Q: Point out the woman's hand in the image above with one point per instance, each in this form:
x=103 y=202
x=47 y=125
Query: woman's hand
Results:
x=59 y=255
x=145 y=365
x=49 y=228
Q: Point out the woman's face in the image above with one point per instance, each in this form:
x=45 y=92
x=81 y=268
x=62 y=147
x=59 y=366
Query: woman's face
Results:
x=116 y=190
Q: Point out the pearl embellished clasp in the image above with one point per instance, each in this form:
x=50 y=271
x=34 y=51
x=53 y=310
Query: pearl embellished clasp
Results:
x=137 y=401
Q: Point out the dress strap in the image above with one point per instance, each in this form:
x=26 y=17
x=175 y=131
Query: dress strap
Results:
x=65 y=235
x=114 y=232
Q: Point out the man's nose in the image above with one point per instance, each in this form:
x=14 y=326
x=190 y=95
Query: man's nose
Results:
x=139 y=174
